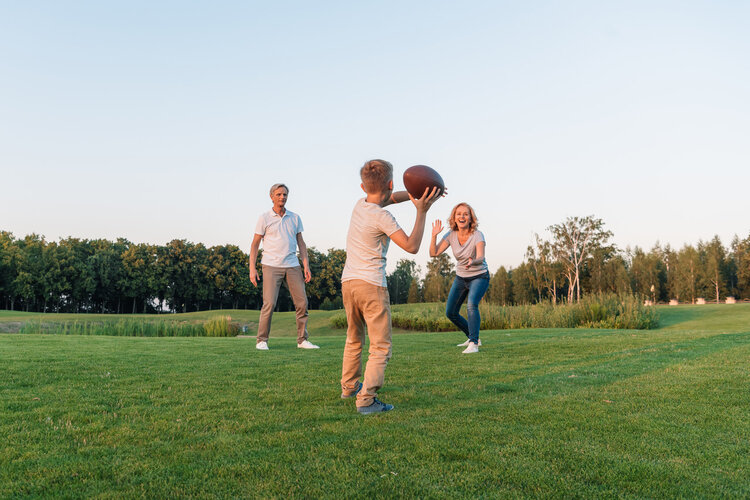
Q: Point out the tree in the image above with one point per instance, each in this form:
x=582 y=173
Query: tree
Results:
x=401 y=279
x=437 y=281
x=500 y=290
x=30 y=284
x=415 y=294
x=522 y=284
x=606 y=271
x=54 y=284
x=547 y=273
x=75 y=268
x=138 y=280
x=741 y=264
x=714 y=257
x=573 y=241
x=106 y=264
x=8 y=268
x=647 y=273
x=686 y=273
x=176 y=266
x=239 y=289
x=330 y=273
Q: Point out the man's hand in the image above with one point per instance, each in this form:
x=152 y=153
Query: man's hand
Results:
x=254 y=276
x=308 y=274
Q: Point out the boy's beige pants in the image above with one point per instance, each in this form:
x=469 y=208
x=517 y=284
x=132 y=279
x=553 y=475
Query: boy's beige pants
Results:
x=366 y=305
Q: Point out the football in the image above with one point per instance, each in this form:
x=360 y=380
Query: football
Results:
x=420 y=177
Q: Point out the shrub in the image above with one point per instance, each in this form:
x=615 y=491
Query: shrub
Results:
x=331 y=305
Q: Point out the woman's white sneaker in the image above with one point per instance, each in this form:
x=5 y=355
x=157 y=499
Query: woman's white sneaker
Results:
x=471 y=349
x=464 y=344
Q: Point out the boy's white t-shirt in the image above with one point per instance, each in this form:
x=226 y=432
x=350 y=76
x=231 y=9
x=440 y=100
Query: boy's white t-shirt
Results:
x=279 y=238
x=367 y=243
x=467 y=251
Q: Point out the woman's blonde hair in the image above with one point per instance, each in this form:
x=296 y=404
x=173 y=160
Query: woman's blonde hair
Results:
x=452 y=219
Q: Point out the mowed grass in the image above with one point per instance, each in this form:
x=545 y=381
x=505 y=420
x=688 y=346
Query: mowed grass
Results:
x=537 y=413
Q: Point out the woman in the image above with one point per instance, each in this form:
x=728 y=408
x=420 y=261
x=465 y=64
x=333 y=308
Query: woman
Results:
x=472 y=276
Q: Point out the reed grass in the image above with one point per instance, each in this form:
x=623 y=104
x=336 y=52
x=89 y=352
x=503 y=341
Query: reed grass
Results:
x=217 y=326
x=593 y=311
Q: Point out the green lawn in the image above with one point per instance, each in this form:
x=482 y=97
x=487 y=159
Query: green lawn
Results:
x=542 y=413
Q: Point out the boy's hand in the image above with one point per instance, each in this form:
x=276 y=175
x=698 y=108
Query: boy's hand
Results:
x=437 y=227
x=428 y=198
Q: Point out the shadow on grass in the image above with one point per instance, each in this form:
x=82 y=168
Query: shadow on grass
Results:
x=675 y=315
x=618 y=366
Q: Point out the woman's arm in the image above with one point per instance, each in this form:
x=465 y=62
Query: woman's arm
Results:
x=436 y=249
x=479 y=253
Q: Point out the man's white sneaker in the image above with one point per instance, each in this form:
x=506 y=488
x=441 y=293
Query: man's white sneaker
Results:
x=262 y=346
x=464 y=344
x=306 y=344
x=471 y=349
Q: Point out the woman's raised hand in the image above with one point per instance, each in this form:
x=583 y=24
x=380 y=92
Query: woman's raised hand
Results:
x=437 y=227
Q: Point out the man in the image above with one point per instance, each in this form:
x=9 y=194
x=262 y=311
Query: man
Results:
x=281 y=232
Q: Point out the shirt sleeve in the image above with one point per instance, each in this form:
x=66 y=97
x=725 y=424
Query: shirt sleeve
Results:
x=300 y=228
x=387 y=223
x=480 y=237
x=260 y=227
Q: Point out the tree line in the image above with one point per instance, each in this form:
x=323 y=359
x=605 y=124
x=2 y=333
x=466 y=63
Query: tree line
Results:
x=103 y=276
x=80 y=275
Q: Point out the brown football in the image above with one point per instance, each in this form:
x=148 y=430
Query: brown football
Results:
x=420 y=177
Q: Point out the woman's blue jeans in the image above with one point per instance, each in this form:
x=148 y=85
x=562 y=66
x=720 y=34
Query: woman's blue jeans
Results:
x=474 y=288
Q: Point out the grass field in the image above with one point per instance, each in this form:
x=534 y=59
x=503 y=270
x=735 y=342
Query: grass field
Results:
x=537 y=413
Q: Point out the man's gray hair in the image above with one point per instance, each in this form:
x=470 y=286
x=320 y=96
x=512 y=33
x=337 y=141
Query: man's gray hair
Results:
x=277 y=186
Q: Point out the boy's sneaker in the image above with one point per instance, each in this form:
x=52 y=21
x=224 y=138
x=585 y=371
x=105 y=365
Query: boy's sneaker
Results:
x=375 y=407
x=464 y=344
x=347 y=395
x=306 y=344
x=262 y=346
x=471 y=349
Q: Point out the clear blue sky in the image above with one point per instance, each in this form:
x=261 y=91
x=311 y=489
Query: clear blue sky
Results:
x=161 y=120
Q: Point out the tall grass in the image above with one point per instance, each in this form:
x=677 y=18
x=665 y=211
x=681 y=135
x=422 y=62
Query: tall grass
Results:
x=219 y=326
x=593 y=311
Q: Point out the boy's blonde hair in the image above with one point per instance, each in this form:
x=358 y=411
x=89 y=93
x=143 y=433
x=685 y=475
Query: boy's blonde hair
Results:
x=375 y=175
x=452 y=219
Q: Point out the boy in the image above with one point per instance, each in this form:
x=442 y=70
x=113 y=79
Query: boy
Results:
x=363 y=284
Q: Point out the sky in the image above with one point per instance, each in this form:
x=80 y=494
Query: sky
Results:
x=155 y=121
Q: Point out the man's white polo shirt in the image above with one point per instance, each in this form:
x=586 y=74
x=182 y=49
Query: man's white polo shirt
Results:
x=279 y=238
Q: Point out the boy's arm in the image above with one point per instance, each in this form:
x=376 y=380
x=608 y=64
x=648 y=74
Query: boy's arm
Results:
x=253 y=257
x=397 y=197
x=412 y=242
x=303 y=256
x=402 y=196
